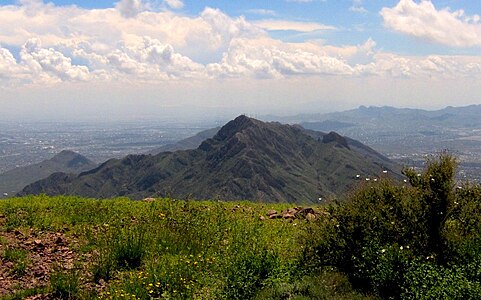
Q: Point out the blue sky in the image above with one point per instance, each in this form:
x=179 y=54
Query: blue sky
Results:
x=252 y=56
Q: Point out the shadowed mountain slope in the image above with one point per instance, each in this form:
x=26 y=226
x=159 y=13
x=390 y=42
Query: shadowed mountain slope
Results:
x=246 y=159
x=11 y=182
x=188 y=143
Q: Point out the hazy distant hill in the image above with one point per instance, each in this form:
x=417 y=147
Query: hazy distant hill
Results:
x=246 y=159
x=188 y=143
x=466 y=116
x=11 y=182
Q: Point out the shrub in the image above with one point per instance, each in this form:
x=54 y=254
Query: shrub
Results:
x=248 y=274
x=428 y=280
x=382 y=228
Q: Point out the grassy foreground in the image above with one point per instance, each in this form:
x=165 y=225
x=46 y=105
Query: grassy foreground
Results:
x=75 y=248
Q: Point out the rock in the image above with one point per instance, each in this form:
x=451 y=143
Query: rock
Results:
x=148 y=200
x=38 y=244
x=292 y=211
x=18 y=232
x=275 y=216
x=288 y=216
x=303 y=212
x=271 y=212
x=310 y=217
x=262 y=218
x=59 y=241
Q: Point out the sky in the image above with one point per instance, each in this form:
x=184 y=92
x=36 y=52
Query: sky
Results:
x=130 y=59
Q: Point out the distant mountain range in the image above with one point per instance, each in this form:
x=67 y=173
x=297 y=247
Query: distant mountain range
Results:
x=13 y=181
x=466 y=116
x=245 y=159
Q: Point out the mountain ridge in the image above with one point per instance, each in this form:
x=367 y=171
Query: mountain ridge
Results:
x=245 y=159
x=14 y=180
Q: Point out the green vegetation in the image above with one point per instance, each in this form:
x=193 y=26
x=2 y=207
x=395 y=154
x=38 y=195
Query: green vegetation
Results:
x=163 y=249
x=417 y=240
x=19 y=259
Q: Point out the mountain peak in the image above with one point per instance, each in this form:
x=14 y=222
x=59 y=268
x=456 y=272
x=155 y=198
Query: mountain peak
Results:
x=71 y=159
x=237 y=125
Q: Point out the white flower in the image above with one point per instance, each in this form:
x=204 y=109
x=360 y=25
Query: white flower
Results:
x=401 y=247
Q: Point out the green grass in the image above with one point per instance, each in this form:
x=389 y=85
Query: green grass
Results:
x=167 y=248
x=19 y=258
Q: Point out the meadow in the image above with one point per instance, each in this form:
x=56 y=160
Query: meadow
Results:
x=415 y=240
x=164 y=249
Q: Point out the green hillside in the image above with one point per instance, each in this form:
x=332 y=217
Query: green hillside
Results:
x=246 y=159
x=13 y=181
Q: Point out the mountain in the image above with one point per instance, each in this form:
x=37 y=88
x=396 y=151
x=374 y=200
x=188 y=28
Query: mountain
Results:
x=246 y=159
x=454 y=117
x=67 y=161
x=188 y=143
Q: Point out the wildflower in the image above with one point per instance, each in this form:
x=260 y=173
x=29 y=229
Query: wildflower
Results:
x=383 y=250
x=401 y=247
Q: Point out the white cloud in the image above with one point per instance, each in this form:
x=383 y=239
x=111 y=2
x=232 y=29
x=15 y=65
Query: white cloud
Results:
x=357 y=7
x=175 y=4
x=148 y=47
x=423 y=20
x=205 y=36
x=267 y=58
x=49 y=62
x=292 y=25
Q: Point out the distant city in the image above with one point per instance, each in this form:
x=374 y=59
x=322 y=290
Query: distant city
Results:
x=23 y=144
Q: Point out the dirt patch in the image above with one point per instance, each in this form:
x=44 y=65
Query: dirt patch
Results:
x=42 y=253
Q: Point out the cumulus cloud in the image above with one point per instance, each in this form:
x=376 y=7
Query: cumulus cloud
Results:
x=206 y=34
x=423 y=20
x=49 y=61
x=267 y=58
x=131 y=43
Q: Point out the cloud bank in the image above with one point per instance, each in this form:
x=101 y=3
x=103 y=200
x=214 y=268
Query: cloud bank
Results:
x=137 y=44
x=423 y=20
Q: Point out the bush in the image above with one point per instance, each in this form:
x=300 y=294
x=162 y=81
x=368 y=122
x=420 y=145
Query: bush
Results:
x=248 y=274
x=375 y=235
x=428 y=280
